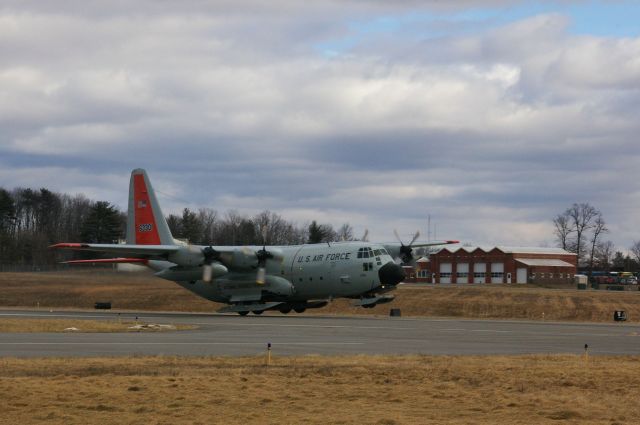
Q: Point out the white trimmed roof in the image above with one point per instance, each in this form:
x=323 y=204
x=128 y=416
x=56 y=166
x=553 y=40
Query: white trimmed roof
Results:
x=510 y=249
x=543 y=262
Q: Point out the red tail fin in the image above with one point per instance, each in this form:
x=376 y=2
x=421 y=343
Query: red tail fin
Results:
x=145 y=223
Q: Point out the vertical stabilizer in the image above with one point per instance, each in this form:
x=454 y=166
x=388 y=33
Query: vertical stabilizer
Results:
x=146 y=224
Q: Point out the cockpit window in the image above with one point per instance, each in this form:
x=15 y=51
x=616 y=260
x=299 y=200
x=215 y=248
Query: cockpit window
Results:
x=365 y=252
x=383 y=252
x=377 y=252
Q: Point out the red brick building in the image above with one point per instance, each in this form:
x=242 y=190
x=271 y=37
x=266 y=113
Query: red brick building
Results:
x=500 y=264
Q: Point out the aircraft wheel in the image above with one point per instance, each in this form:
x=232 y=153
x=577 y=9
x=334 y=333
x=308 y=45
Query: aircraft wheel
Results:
x=257 y=312
x=285 y=310
x=299 y=309
x=243 y=313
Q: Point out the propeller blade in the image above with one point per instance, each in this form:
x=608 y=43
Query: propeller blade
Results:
x=395 y=232
x=207 y=272
x=415 y=237
x=261 y=276
x=210 y=255
x=365 y=237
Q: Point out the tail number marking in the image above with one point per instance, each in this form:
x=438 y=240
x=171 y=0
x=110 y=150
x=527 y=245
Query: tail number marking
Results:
x=145 y=227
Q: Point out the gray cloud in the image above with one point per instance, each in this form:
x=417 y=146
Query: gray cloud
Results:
x=492 y=131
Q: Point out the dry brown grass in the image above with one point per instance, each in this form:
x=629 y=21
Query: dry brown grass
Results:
x=135 y=291
x=61 y=325
x=334 y=390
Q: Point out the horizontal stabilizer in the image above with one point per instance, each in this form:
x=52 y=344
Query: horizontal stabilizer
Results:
x=108 y=261
x=122 y=249
x=236 y=308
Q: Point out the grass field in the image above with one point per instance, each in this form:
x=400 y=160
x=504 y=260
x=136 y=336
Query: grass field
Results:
x=81 y=326
x=320 y=390
x=139 y=291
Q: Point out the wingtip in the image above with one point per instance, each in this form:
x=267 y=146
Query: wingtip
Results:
x=452 y=241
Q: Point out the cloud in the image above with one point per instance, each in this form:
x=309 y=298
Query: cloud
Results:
x=491 y=129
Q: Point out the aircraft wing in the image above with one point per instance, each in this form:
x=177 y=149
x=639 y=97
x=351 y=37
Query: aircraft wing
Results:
x=396 y=249
x=138 y=251
x=422 y=245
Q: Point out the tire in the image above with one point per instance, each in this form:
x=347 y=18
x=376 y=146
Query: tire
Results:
x=299 y=309
x=243 y=313
x=257 y=312
x=285 y=310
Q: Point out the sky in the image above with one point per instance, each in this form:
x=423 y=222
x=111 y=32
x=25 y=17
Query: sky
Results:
x=491 y=117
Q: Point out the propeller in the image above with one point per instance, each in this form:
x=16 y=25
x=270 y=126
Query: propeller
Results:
x=406 y=250
x=263 y=255
x=365 y=237
x=210 y=255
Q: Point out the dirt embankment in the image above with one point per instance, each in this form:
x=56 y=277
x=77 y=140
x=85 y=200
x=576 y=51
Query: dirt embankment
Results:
x=134 y=291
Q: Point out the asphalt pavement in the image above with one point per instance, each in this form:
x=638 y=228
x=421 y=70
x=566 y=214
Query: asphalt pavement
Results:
x=232 y=335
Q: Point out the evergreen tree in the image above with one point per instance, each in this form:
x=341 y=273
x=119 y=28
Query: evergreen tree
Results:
x=7 y=211
x=191 y=228
x=103 y=224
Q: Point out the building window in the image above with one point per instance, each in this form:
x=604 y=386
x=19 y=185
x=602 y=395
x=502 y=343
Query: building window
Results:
x=445 y=275
x=463 y=274
x=497 y=274
x=478 y=275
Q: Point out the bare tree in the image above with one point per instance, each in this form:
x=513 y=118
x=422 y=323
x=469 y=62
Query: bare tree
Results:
x=208 y=219
x=635 y=250
x=604 y=255
x=563 y=229
x=581 y=218
x=599 y=227
x=345 y=233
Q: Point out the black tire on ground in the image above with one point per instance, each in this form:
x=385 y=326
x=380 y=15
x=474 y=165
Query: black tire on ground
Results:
x=299 y=309
x=243 y=313
x=257 y=311
x=285 y=310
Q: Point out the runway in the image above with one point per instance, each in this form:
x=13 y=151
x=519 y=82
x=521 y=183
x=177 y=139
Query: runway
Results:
x=231 y=335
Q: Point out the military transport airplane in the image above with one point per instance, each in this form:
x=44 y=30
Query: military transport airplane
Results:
x=255 y=278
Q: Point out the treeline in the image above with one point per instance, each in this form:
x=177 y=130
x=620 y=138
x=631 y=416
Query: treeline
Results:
x=32 y=220
x=582 y=229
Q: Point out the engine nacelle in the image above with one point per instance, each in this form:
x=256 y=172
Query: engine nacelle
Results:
x=246 y=258
x=191 y=274
x=187 y=256
x=278 y=285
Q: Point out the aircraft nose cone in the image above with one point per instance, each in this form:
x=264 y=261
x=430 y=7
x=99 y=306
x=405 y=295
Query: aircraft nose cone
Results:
x=391 y=274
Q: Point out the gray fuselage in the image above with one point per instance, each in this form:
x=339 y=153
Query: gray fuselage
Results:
x=314 y=271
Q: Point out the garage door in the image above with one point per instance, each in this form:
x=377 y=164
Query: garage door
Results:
x=479 y=270
x=497 y=272
x=445 y=273
x=522 y=275
x=462 y=273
